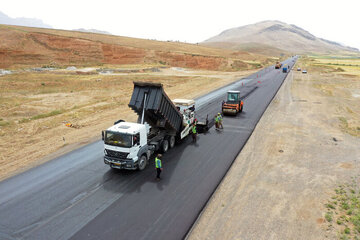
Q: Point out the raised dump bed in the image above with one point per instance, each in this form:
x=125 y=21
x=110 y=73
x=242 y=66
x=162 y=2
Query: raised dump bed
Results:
x=159 y=112
x=130 y=145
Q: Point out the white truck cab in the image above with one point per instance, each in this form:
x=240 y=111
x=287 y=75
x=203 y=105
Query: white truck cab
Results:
x=124 y=144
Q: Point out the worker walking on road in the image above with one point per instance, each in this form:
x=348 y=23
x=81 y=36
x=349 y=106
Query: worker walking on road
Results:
x=220 y=121
x=194 y=132
x=158 y=166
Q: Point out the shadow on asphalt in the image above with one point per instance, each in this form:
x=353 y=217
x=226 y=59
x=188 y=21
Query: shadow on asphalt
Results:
x=127 y=181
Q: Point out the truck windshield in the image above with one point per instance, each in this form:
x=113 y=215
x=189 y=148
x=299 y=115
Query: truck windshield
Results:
x=118 y=139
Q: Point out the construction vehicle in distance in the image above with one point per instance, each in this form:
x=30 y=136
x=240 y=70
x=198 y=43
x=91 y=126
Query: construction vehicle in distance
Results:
x=160 y=125
x=285 y=69
x=278 y=65
x=233 y=104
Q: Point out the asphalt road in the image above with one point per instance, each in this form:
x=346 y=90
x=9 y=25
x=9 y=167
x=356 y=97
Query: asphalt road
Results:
x=77 y=196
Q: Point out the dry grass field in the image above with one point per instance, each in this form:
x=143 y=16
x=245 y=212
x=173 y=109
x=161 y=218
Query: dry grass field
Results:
x=346 y=66
x=339 y=78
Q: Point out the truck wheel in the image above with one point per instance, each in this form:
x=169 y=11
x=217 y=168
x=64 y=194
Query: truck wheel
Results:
x=165 y=146
x=142 y=162
x=172 y=142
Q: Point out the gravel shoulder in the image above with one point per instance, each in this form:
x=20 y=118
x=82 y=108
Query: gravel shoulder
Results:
x=296 y=156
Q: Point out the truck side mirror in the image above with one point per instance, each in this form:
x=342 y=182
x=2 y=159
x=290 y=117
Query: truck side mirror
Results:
x=103 y=135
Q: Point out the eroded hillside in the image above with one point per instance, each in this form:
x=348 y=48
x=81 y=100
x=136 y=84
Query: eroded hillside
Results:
x=23 y=46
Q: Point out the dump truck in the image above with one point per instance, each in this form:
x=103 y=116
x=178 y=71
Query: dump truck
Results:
x=278 y=65
x=161 y=124
x=233 y=104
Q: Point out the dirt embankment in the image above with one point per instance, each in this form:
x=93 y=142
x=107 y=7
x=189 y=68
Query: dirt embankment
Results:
x=306 y=143
x=19 y=48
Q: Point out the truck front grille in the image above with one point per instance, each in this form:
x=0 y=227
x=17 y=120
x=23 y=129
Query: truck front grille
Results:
x=116 y=154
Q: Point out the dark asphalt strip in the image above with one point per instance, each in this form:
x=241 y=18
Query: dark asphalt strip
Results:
x=223 y=177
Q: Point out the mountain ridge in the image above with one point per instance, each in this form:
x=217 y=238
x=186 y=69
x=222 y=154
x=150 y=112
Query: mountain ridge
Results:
x=285 y=37
x=27 y=22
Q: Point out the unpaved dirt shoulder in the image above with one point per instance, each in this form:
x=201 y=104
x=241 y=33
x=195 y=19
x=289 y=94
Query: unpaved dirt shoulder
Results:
x=277 y=187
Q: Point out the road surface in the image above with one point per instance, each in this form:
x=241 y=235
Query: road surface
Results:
x=77 y=196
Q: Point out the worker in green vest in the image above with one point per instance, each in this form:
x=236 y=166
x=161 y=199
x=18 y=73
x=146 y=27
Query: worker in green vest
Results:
x=194 y=132
x=158 y=166
x=220 y=121
x=217 y=121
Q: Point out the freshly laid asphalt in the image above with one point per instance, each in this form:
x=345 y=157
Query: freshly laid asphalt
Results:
x=77 y=196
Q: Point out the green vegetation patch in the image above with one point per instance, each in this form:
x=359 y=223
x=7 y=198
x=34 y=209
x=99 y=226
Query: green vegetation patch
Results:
x=344 y=209
x=44 y=115
x=4 y=123
x=344 y=125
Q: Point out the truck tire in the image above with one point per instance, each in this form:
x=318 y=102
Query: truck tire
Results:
x=165 y=145
x=171 y=141
x=142 y=163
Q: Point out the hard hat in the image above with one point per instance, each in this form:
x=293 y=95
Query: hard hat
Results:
x=218 y=113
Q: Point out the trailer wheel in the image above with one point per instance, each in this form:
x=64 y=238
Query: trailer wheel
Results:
x=142 y=162
x=172 y=142
x=164 y=146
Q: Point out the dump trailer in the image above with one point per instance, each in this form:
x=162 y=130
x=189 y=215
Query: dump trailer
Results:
x=160 y=125
x=233 y=104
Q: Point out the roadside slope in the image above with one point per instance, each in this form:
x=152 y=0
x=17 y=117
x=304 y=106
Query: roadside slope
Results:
x=278 y=185
x=25 y=46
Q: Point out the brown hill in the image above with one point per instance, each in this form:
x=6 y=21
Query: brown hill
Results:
x=38 y=46
x=275 y=37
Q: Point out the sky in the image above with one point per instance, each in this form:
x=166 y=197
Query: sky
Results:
x=192 y=20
